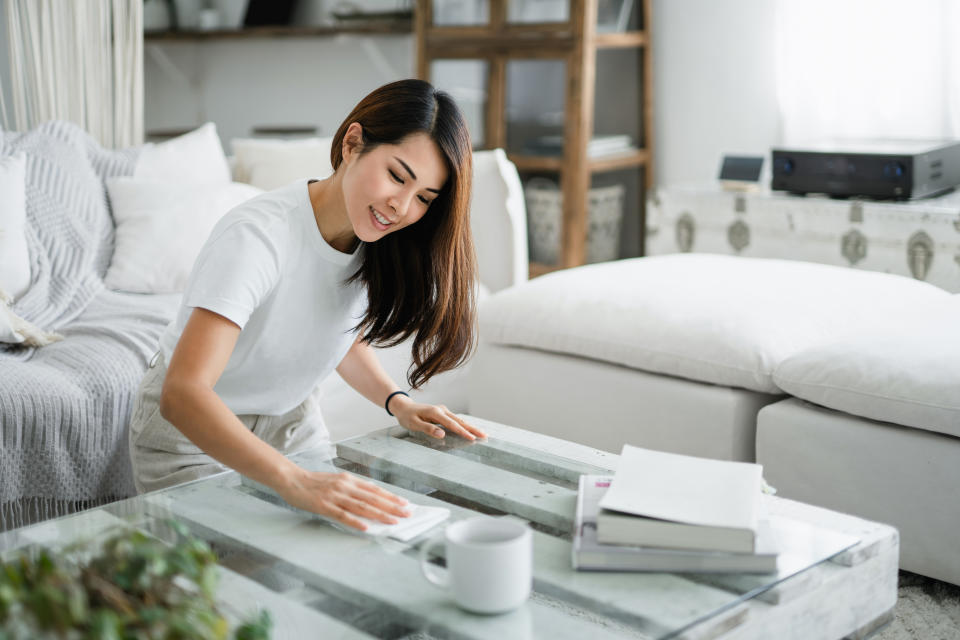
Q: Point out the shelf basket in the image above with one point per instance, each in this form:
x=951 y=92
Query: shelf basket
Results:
x=544 y=212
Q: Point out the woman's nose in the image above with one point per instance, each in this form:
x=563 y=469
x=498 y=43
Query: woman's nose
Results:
x=399 y=204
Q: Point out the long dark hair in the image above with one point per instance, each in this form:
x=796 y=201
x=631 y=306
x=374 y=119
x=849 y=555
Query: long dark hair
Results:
x=420 y=278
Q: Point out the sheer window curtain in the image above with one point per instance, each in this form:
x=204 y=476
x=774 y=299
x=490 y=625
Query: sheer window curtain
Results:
x=76 y=61
x=868 y=69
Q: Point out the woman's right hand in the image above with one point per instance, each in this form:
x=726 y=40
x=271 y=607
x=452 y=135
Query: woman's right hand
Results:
x=342 y=497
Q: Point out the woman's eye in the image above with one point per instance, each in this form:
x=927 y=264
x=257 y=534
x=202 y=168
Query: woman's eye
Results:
x=395 y=176
x=424 y=200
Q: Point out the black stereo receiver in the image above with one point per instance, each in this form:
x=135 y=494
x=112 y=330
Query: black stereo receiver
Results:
x=888 y=169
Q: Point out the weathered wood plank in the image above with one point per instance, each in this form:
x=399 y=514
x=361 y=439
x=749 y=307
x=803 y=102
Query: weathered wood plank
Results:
x=847 y=600
x=669 y=601
x=875 y=538
x=508 y=456
x=536 y=500
x=358 y=568
x=647 y=601
x=783 y=591
x=804 y=543
x=604 y=461
x=239 y=598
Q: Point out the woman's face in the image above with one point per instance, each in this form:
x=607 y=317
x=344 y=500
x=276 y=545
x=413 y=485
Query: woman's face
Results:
x=392 y=186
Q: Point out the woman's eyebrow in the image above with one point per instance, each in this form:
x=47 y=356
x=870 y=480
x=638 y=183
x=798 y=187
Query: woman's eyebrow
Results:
x=412 y=174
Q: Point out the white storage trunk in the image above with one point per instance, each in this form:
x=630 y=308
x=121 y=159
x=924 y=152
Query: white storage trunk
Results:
x=920 y=239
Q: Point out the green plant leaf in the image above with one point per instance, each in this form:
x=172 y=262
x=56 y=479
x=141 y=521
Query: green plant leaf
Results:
x=136 y=588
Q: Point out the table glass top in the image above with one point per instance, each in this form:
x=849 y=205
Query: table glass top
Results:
x=318 y=581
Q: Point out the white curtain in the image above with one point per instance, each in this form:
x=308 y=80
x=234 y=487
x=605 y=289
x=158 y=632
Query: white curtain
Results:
x=77 y=60
x=868 y=69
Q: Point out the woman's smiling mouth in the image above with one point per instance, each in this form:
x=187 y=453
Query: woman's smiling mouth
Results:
x=380 y=219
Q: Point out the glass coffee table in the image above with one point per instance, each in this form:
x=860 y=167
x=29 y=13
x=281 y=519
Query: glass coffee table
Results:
x=319 y=582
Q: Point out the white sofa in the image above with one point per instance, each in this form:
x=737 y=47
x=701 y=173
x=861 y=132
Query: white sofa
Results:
x=844 y=384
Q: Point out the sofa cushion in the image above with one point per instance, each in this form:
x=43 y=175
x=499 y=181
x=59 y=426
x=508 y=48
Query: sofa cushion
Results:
x=161 y=227
x=498 y=220
x=269 y=163
x=725 y=320
x=194 y=157
x=902 y=368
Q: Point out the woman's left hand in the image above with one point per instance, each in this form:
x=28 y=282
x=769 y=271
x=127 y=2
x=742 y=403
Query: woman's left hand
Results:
x=429 y=418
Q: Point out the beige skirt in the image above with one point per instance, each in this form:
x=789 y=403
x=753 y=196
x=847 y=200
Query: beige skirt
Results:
x=162 y=456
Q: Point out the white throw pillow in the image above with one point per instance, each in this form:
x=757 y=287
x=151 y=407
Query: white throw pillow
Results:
x=498 y=219
x=194 y=157
x=269 y=163
x=14 y=258
x=161 y=228
x=902 y=368
x=725 y=320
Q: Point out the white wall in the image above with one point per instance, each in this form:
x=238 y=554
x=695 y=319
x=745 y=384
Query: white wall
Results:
x=252 y=82
x=714 y=85
x=713 y=80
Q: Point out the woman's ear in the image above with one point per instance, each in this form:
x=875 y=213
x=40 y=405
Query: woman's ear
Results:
x=352 y=141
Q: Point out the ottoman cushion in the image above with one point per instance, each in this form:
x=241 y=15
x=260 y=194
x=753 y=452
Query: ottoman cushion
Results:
x=902 y=368
x=725 y=320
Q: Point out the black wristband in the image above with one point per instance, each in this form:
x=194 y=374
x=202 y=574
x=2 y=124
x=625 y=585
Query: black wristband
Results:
x=386 y=404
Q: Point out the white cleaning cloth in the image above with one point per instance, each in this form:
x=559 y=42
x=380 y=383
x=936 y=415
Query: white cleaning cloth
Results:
x=422 y=518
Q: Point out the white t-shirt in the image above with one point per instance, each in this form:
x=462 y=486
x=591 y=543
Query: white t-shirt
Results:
x=267 y=268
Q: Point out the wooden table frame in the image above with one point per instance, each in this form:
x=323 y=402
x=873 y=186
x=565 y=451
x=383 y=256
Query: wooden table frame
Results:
x=316 y=579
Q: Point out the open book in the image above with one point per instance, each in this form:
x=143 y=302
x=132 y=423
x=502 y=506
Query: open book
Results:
x=676 y=501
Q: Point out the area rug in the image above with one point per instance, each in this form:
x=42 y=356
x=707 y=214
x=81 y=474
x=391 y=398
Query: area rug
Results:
x=927 y=609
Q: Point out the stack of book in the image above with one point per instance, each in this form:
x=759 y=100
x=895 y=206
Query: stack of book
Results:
x=675 y=513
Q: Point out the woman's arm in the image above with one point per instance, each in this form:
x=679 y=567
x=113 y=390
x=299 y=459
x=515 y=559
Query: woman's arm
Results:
x=362 y=370
x=189 y=402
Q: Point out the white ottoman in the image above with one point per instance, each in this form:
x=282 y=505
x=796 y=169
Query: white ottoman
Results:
x=673 y=352
x=888 y=447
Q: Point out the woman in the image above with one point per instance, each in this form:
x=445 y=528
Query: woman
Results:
x=302 y=280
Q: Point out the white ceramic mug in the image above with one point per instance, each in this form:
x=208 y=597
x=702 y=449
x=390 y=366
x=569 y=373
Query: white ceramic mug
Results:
x=489 y=563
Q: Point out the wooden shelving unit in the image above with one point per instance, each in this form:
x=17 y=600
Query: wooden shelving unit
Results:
x=576 y=43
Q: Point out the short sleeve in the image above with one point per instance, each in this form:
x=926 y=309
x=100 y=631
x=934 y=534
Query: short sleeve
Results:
x=235 y=271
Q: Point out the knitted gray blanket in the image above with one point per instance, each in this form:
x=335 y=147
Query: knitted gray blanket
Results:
x=69 y=228
x=64 y=408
